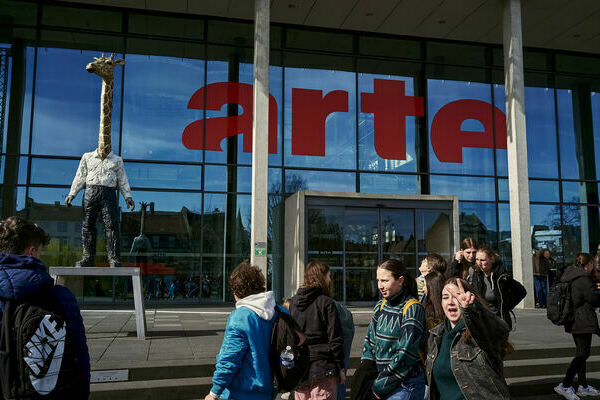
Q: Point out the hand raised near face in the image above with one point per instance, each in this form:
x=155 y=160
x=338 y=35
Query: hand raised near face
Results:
x=458 y=292
x=459 y=255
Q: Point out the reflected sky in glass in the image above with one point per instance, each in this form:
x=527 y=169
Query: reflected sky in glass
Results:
x=66 y=117
x=465 y=187
x=389 y=183
x=164 y=176
x=569 y=159
x=440 y=93
x=546 y=191
x=157 y=91
x=542 y=155
x=340 y=127
x=51 y=171
x=218 y=71
x=369 y=160
x=320 y=180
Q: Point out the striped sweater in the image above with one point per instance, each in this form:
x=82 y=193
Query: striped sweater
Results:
x=393 y=342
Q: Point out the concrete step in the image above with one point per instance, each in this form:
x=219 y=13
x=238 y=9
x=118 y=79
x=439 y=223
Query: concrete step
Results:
x=544 y=366
x=156 y=389
x=542 y=387
x=189 y=379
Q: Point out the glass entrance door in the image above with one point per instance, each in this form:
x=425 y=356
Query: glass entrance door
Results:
x=354 y=240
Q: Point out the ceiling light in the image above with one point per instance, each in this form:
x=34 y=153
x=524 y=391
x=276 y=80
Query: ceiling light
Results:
x=291 y=6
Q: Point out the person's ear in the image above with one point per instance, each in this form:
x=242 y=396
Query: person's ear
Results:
x=401 y=279
x=29 y=251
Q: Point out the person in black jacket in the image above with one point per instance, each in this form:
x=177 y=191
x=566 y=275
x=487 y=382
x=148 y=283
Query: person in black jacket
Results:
x=586 y=298
x=463 y=265
x=316 y=314
x=495 y=285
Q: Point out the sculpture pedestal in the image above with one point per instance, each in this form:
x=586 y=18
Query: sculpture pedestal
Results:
x=140 y=313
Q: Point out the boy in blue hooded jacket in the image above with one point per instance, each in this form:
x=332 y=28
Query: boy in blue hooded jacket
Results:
x=22 y=274
x=243 y=370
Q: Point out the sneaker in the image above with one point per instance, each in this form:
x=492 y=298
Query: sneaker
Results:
x=589 y=390
x=566 y=392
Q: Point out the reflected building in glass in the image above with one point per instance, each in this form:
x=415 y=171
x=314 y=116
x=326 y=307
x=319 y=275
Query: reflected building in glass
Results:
x=360 y=104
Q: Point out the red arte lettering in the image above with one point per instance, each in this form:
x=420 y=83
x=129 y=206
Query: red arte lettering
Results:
x=309 y=111
x=219 y=128
x=447 y=138
x=390 y=107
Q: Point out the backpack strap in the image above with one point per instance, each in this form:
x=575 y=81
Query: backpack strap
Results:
x=382 y=304
x=408 y=304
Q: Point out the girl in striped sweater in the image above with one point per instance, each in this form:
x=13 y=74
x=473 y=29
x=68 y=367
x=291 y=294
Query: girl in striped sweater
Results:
x=395 y=335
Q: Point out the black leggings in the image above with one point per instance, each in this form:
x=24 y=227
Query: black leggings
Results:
x=583 y=344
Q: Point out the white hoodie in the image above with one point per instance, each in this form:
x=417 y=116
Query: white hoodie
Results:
x=263 y=304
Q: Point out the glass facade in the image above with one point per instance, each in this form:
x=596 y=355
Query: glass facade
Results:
x=349 y=112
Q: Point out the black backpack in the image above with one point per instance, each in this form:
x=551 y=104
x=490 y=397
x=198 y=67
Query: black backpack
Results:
x=560 y=304
x=37 y=356
x=286 y=332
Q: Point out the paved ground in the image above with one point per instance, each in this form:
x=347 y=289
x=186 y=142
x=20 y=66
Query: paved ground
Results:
x=193 y=335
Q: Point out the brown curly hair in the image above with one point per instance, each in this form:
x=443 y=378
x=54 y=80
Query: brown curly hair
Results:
x=17 y=234
x=246 y=280
x=314 y=276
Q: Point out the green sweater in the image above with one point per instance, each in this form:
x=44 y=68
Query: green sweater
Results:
x=393 y=342
x=442 y=371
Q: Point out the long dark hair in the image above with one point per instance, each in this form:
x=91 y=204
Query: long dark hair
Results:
x=314 y=276
x=435 y=262
x=433 y=301
x=468 y=243
x=582 y=259
x=397 y=269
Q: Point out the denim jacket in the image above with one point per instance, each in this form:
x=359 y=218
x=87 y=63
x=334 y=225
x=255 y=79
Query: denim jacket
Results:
x=477 y=365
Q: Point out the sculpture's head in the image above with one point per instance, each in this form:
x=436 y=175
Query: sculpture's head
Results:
x=104 y=66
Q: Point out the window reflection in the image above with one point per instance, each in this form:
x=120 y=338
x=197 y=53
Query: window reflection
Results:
x=474 y=160
x=164 y=176
x=541 y=131
x=157 y=91
x=389 y=183
x=233 y=70
x=466 y=187
x=67 y=103
x=546 y=231
x=369 y=159
x=478 y=220
x=433 y=232
x=546 y=191
x=50 y=171
x=319 y=180
x=339 y=128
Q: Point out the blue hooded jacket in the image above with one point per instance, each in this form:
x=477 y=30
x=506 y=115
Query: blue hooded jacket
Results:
x=22 y=275
x=243 y=370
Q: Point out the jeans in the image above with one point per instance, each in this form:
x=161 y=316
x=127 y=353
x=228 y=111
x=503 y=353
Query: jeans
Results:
x=583 y=344
x=411 y=389
x=541 y=289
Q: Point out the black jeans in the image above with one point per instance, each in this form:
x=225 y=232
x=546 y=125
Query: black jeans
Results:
x=583 y=344
x=100 y=201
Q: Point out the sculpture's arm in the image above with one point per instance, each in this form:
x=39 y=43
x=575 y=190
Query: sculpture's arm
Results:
x=78 y=181
x=123 y=184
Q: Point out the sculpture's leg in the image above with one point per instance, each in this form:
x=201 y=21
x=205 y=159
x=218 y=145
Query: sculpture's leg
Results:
x=91 y=207
x=110 y=217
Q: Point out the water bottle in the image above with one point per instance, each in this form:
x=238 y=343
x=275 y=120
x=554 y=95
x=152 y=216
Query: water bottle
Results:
x=287 y=358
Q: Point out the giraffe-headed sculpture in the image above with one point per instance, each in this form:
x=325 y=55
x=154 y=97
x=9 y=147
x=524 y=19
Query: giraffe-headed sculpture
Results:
x=101 y=172
x=104 y=68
